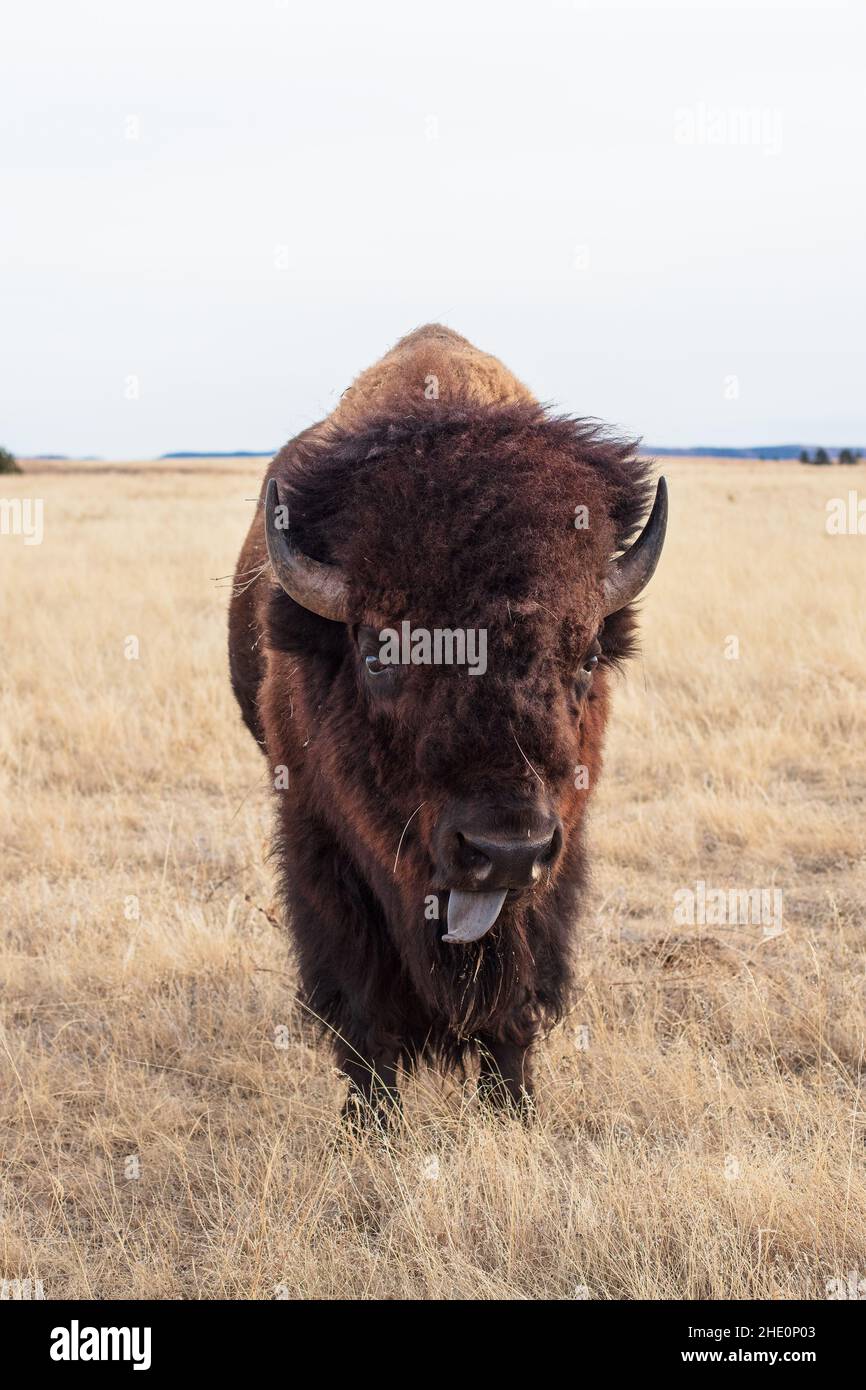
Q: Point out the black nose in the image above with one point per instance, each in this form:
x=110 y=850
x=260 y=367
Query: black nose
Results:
x=484 y=859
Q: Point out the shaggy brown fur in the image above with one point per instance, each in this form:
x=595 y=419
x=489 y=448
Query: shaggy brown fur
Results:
x=451 y=512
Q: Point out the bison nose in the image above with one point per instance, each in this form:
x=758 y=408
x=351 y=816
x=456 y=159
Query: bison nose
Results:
x=485 y=860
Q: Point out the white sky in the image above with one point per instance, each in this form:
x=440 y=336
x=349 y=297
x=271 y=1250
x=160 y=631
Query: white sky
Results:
x=580 y=204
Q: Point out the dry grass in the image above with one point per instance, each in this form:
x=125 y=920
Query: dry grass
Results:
x=709 y=1140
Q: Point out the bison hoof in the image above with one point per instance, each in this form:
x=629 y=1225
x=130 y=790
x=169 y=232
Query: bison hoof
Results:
x=362 y=1117
x=508 y=1101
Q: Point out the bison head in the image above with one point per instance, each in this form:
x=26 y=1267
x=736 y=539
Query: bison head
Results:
x=445 y=781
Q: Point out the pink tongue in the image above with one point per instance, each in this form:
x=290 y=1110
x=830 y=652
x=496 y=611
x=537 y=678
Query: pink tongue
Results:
x=471 y=915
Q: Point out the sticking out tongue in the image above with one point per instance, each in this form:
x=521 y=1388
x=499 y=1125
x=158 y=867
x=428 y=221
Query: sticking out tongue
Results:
x=471 y=915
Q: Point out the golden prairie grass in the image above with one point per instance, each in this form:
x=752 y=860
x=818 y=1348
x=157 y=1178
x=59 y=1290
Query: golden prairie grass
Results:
x=168 y=1116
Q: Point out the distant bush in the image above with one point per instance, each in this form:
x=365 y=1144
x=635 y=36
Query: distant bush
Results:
x=8 y=462
x=822 y=457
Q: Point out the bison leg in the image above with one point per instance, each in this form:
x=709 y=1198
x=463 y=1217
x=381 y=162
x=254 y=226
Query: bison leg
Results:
x=505 y=1079
x=373 y=1098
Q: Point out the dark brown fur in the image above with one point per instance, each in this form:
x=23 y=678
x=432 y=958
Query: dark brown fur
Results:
x=455 y=512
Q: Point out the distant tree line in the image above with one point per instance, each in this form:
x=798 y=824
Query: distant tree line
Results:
x=821 y=457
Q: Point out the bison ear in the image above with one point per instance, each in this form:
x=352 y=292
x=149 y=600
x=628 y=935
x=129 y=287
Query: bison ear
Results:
x=320 y=588
x=630 y=573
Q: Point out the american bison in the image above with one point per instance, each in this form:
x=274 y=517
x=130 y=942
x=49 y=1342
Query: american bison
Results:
x=430 y=811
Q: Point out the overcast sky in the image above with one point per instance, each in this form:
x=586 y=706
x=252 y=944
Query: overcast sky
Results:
x=215 y=214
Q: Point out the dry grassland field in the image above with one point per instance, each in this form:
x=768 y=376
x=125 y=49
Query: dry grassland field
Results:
x=169 y=1117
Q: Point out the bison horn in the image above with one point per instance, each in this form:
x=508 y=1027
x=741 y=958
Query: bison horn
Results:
x=321 y=588
x=630 y=573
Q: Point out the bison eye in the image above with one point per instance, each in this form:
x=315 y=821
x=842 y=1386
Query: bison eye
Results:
x=379 y=672
x=583 y=678
x=375 y=667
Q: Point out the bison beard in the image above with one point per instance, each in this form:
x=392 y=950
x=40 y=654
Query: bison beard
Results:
x=431 y=829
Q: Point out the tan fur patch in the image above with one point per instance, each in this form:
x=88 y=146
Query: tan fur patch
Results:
x=433 y=362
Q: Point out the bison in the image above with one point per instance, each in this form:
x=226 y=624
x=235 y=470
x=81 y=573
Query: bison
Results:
x=431 y=812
